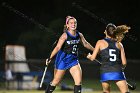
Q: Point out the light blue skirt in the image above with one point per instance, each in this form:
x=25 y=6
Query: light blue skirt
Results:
x=109 y=76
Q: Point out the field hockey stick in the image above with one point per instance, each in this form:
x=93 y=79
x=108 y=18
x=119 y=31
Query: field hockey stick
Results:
x=44 y=73
x=42 y=79
x=48 y=61
x=131 y=86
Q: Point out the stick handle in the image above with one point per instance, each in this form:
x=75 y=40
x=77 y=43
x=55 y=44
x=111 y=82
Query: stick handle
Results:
x=43 y=76
x=98 y=61
x=47 y=65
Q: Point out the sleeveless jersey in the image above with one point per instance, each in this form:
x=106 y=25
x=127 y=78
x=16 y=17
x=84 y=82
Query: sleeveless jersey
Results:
x=110 y=58
x=70 y=46
x=67 y=57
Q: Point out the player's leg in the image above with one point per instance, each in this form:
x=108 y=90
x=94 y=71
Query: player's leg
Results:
x=76 y=73
x=57 y=77
x=106 y=87
x=122 y=85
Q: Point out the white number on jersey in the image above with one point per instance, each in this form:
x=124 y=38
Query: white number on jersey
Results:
x=112 y=54
x=74 y=49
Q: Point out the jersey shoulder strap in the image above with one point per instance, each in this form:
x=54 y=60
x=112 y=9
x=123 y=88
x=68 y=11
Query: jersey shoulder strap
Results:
x=110 y=42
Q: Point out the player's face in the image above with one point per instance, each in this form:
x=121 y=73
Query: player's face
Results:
x=72 y=24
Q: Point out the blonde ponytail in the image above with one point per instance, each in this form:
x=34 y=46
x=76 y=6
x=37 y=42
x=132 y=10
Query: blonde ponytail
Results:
x=120 y=32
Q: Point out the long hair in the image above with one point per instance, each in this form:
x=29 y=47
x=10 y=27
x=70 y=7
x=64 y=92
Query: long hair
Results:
x=120 y=32
x=117 y=33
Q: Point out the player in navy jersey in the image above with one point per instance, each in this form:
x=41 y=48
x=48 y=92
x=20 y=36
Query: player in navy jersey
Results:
x=113 y=59
x=67 y=55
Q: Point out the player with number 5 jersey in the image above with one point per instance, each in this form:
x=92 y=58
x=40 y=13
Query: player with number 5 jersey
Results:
x=113 y=57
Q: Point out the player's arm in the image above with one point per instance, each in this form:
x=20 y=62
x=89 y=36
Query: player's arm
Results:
x=59 y=45
x=85 y=43
x=96 y=50
x=123 y=57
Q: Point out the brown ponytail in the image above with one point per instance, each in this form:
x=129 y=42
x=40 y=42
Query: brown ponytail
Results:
x=120 y=32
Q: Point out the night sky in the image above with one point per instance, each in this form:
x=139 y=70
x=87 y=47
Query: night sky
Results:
x=18 y=17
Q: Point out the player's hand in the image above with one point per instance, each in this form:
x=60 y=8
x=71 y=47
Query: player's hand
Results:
x=48 y=60
x=123 y=67
x=89 y=56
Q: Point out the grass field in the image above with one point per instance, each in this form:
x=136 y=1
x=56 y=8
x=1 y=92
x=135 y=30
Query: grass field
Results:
x=89 y=86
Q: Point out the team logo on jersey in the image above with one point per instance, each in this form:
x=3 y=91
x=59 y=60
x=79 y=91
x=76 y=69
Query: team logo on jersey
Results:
x=73 y=41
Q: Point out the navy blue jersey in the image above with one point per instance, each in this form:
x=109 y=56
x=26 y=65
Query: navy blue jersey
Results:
x=110 y=57
x=67 y=57
x=70 y=46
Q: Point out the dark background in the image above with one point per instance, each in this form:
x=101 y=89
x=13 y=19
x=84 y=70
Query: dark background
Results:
x=36 y=24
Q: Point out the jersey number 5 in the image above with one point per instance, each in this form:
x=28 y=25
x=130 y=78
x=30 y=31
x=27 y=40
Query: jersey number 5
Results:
x=112 y=54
